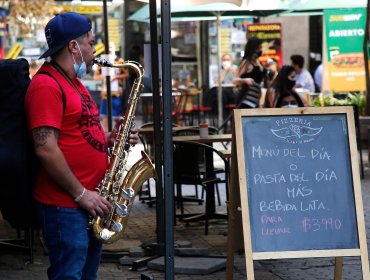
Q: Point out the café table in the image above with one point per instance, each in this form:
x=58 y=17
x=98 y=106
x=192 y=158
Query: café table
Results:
x=210 y=193
x=226 y=153
x=205 y=140
x=150 y=129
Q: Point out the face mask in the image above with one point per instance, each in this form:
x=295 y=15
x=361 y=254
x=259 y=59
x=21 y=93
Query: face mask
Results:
x=290 y=83
x=79 y=69
x=226 y=64
x=290 y=106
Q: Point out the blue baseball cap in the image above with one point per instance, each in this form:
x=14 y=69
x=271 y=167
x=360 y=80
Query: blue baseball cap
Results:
x=63 y=28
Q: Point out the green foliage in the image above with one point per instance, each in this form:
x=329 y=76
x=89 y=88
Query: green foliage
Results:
x=357 y=99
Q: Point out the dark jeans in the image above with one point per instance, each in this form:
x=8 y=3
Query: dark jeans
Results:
x=73 y=252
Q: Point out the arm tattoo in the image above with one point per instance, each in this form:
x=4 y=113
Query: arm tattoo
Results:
x=41 y=135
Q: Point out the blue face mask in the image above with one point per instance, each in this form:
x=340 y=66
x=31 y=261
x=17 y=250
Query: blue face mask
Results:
x=79 y=69
x=290 y=106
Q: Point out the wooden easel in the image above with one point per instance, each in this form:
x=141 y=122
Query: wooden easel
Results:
x=239 y=215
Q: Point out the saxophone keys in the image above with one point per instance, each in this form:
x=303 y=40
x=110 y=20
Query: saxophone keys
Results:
x=128 y=193
x=117 y=227
x=105 y=234
x=121 y=210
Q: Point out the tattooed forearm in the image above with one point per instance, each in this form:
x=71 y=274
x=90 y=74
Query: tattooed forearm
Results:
x=41 y=135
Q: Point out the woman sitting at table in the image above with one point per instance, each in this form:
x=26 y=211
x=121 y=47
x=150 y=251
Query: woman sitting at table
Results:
x=228 y=70
x=289 y=99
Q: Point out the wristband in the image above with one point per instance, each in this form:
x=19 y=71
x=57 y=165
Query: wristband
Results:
x=78 y=198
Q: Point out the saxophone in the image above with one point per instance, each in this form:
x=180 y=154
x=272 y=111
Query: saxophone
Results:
x=115 y=187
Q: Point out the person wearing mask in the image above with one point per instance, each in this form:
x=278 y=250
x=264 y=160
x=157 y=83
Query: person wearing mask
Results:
x=227 y=74
x=282 y=84
x=71 y=146
x=249 y=75
x=289 y=99
x=304 y=78
x=227 y=69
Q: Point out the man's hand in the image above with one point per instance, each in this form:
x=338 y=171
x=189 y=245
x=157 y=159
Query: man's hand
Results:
x=133 y=138
x=113 y=134
x=95 y=204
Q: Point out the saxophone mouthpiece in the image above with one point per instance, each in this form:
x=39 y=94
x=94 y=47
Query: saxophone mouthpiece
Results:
x=102 y=62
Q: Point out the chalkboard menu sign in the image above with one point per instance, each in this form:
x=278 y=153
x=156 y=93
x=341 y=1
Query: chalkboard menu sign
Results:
x=295 y=189
x=299 y=182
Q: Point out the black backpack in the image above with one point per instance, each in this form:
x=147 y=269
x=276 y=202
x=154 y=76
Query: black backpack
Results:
x=18 y=162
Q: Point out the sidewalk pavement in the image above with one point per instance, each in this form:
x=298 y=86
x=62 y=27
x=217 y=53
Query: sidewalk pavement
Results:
x=141 y=228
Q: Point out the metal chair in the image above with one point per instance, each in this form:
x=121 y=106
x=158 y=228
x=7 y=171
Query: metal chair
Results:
x=195 y=169
x=147 y=140
x=195 y=131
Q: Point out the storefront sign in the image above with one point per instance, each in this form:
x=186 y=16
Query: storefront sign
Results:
x=270 y=34
x=14 y=51
x=83 y=9
x=114 y=34
x=345 y=30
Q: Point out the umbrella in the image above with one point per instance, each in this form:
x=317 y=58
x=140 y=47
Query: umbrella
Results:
x=191 y=10
x=188 y=10
x=200 y=10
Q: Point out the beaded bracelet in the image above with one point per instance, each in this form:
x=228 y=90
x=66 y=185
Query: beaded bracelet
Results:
x=78 y=198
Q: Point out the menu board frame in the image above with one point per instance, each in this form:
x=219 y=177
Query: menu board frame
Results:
x=239 y=214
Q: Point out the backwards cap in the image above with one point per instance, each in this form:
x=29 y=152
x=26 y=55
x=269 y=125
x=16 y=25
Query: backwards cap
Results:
x=63 y=28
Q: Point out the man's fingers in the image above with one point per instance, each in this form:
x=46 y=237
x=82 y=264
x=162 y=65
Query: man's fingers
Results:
x=105 y=209
x=93 y=213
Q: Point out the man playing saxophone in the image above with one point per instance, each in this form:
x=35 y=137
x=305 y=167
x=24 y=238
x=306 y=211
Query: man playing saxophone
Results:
x=72 y=148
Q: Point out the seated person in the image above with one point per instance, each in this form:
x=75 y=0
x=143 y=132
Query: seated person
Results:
x=289 y=100
x=228 y=69
x=227 y=75
x=304 y=80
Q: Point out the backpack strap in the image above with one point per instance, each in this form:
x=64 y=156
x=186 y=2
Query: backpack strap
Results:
x=61 y=89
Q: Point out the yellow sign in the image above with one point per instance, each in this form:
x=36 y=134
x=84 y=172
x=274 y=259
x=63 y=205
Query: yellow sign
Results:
x=347 y=72
x=88 y=9
x=99 y=49
x=113 y=29
x=14 y=51
x=82 y=9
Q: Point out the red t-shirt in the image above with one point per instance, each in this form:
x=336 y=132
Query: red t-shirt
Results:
x=81 y=136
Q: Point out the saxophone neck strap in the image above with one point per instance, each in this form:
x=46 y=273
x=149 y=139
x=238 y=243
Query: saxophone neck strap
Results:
x=57 y=67
x=60 y=70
